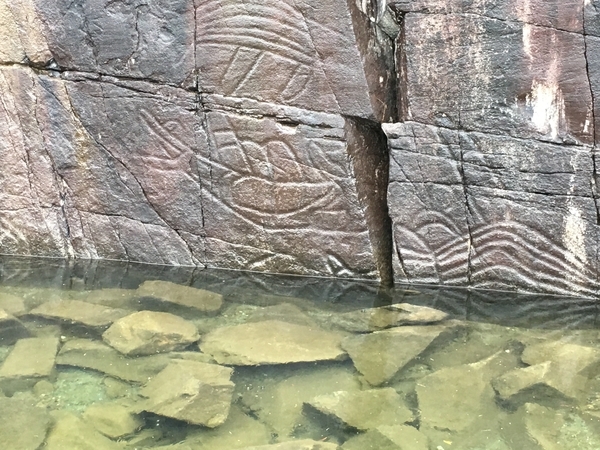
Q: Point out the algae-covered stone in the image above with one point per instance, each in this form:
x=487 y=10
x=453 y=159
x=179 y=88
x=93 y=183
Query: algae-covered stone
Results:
x=380 y=355
x=191 y=391
x=70 y=432
x=165 y=291
x=78 y=312
x=149 y=332
x=271 y=342
x=373 y=319
x=114 y=420
x=22 y=426
x=364 y=410
x=98 y=356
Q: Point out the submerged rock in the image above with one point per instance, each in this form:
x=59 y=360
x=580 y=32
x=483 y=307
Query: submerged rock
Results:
x=112 y=419
x=396 y=437
x=381 y=355
x=537 y=427
x=571 y=358
x=22 y=426
x=78 y=312
x=98 y=356
x=149 y=332
x=165 y=291
x=70 y=432
x=11 y=329
x=191 y=391
x=30 y=360
x=460 y=399
x=12 y=304
x=530 y=381
x=271 y=342
x=305 y=444
x=239 y=430
x=279 y=404
x=374 y=319
x=364 y=410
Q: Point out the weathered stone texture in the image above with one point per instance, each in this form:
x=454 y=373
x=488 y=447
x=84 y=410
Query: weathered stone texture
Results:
x=247 y=135
x=492 y=211
x=497 y=76
x=304 y=53
x=139 y=39
x=287 y=194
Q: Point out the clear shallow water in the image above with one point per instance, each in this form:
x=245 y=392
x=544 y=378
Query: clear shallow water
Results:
x=482 y=370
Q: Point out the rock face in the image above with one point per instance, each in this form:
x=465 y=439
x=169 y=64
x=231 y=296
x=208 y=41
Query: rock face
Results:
x=492 y=171
x=234 y=136
x=426 y=141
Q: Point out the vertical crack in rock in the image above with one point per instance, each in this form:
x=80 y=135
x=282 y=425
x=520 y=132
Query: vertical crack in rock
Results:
x=368 y=150
x=401 y=72
x=468 y=212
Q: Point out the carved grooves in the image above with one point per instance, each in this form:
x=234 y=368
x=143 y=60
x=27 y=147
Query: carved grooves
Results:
x=368 y=150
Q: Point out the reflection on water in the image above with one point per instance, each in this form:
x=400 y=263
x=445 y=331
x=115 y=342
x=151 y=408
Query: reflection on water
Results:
x=124 y=356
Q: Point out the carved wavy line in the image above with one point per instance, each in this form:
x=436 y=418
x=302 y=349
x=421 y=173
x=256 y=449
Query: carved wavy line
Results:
x=492 y=234
x=501 y=247
x=251 y=27
x=231 y=40
x=556 y=285
x=437 y=218
x=213 y=12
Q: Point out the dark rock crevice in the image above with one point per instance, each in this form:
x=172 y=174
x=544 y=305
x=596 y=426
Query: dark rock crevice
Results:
x=368 y=150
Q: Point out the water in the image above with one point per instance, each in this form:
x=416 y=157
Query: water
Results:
x=316 y=364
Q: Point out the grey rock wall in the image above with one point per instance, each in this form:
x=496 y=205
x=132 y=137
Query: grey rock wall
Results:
x=438 y=141
x=493 y=179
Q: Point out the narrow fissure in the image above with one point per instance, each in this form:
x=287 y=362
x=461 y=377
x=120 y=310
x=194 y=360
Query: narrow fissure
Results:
x=368 y=150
